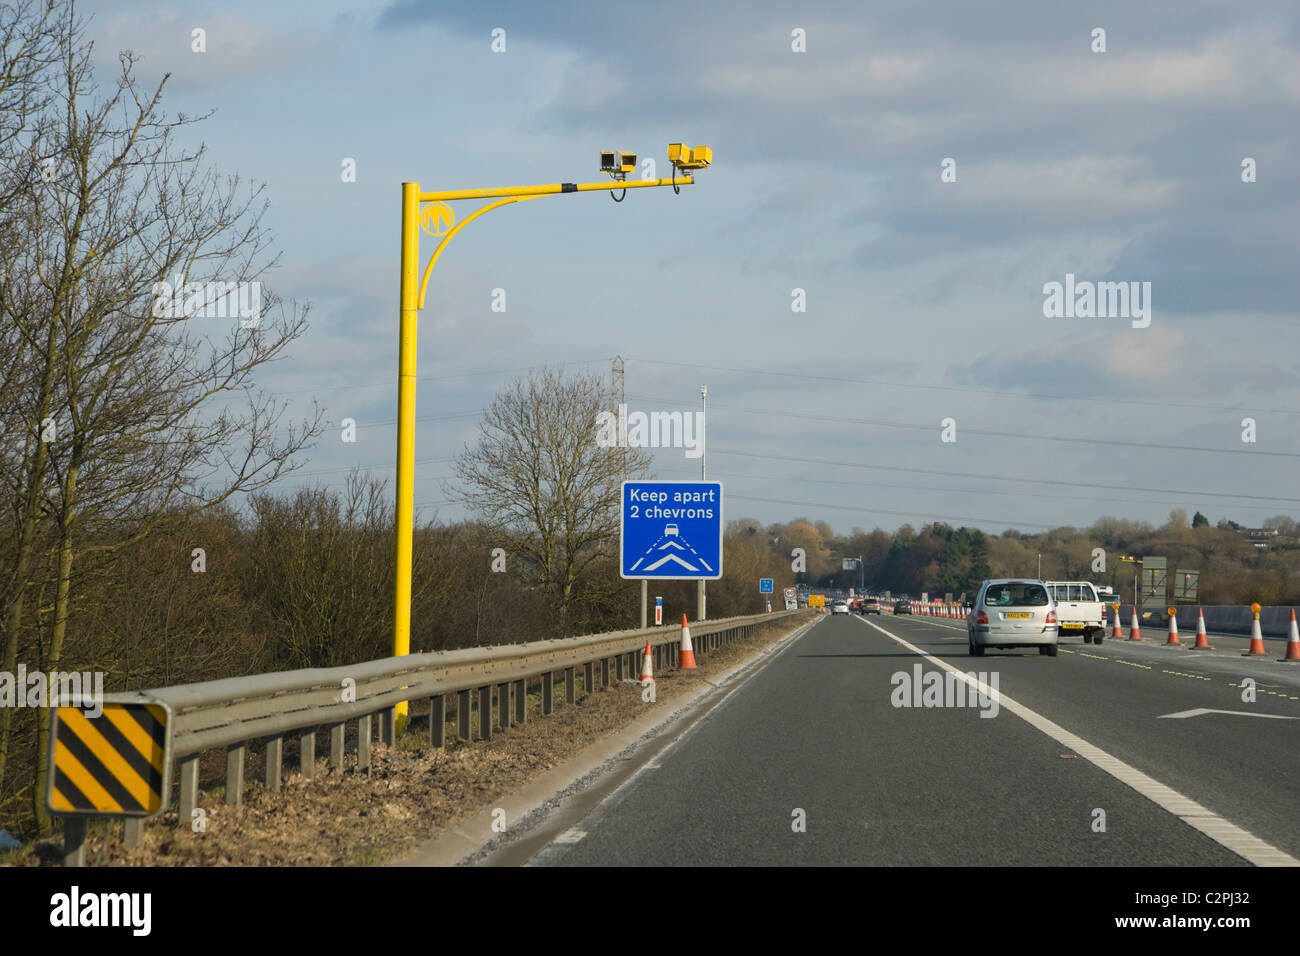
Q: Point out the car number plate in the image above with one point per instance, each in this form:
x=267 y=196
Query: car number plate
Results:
x=1017 y=615
x=1072 y=627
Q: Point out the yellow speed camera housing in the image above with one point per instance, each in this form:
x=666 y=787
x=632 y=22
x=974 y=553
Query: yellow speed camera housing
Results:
x=617 y=162
x=690 y=157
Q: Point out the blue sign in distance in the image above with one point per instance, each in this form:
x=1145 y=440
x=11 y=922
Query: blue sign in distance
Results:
x=764 y=585
x=671 y=530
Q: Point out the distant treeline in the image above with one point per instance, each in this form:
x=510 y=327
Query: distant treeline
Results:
x=939 y=558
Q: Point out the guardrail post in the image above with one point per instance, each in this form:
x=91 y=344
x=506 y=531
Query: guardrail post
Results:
x=336 y=747
x=388 y=725
x=503 y=705
x=274 y=761
x=521 y=700
x=189 y=776
x=462 y=715
x=74 y=841
x=485 y=712
x=307 y=754
x=548 y=693
x=569 y=689
x=438 y=720
x=604 y=672
x=363 y=743
x=133 y=831
x=588 y=678
x=235 y=774
x=618 y=667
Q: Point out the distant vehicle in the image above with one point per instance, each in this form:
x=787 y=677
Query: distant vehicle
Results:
x=670 y=531
x=869 y=606
x=1011 y=613
x=902 y=607
x=840 y=607
x=1079 y=610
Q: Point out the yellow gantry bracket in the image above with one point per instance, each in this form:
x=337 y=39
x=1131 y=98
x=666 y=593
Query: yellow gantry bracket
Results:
x=435 y=215
x=551 y=190
x=421 y=210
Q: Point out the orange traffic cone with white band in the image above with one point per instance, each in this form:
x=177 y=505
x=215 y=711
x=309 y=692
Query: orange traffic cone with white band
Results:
x=1134 y=631
x=1293 y=642
x=1116 y=632
x=647 y=671
x=1256 y=638
x=1202 y=641
x=685 y=656
x=1173 y=629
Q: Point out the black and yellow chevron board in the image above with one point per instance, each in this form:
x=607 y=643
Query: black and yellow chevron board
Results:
x=111 y=765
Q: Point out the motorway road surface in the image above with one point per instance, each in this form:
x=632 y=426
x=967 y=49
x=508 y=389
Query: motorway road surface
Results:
x=815 y=731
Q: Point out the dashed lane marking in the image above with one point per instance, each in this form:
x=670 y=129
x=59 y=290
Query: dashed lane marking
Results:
x=1222 y=831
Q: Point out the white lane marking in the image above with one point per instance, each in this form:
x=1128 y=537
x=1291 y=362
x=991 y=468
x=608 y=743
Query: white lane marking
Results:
x=571 y=835
x=1227 y=834
x=1237 y=713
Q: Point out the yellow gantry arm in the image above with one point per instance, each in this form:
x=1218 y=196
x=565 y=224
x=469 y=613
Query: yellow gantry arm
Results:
x=550 y=190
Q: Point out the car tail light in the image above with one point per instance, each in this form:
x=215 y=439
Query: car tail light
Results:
x=981 y=618
x=1051 y=617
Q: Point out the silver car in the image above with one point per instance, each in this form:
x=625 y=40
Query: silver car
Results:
x=1010 y=613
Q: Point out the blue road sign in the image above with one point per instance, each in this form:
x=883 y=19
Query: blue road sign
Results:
x=764 y=585
x=671 y=530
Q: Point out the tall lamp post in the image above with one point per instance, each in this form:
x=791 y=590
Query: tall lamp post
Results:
x=428 y=211
x=700 y=605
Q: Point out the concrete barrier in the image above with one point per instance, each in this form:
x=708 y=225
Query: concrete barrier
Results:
x=1219 y=619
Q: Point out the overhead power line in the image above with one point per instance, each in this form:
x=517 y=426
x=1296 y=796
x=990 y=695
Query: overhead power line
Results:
x=931 y=429
x=1145 y=402
x=1032 y=481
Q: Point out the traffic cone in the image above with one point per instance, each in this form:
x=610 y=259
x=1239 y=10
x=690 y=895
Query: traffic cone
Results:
x=647 y=671
x=1134 y=630
x=1116 y=632
x=1256 y=638
x=1293 y=642
x=685 y=656
x=1202 y=641
x=1173 y=631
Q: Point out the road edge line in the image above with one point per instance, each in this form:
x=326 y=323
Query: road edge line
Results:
x=458 y=844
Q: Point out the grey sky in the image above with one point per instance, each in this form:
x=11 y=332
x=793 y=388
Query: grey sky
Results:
x=1123 y=165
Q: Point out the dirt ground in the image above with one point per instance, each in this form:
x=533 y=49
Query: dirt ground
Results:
x=412 y=793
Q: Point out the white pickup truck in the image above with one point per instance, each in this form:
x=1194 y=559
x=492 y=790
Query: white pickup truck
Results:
x=1078 y=610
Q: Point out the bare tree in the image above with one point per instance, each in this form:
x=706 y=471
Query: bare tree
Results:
x=539 y=480
x=141 y=398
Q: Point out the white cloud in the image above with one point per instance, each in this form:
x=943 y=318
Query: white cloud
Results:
x=236 y=46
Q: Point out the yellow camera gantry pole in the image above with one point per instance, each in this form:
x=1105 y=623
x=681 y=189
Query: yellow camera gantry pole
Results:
x=429 y=212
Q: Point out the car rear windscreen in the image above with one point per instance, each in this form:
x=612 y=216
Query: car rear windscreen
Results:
x=1073 y=592
x=1016 y=595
